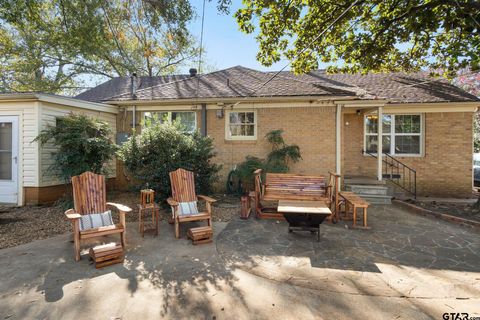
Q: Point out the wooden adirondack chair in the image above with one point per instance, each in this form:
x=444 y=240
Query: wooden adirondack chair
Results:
x=183 y=190
x=89 y=196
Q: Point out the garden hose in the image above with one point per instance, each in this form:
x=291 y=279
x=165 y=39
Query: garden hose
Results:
x=234 y=183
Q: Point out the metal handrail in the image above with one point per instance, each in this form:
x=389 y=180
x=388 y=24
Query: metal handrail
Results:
x=397 y=165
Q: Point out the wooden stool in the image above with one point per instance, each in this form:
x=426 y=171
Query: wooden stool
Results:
x=200 y=235
x=106 y=254
x=355 y=202
x=147 y=203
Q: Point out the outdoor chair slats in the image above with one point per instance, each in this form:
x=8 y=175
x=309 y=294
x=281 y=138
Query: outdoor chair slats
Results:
x=89 y=196
x=183 y=190
x=89 y=193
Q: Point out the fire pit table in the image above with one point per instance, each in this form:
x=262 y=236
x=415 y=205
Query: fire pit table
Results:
x=304 y=215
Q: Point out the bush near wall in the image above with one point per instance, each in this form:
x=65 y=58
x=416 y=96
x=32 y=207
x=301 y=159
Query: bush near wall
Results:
x=82 y=144
x=162 y=148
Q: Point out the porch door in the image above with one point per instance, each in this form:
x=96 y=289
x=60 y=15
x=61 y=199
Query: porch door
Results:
x=8 y=159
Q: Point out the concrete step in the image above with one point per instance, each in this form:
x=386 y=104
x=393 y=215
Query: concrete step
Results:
x=370 y=189
x=362 y=180
x=376 y=199
x=376 y=190
x=397 y=192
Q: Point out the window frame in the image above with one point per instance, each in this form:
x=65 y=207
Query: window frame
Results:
x=392 y=134
x=170 y=116
x=240 y=138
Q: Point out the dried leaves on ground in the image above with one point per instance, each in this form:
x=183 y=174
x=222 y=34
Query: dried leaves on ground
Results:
x=458 y=209
x=19 y=225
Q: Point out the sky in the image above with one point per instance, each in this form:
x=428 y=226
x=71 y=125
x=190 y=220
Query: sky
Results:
x=225 y=45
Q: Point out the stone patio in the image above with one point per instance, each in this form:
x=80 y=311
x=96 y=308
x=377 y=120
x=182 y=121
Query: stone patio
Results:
x=405 y=267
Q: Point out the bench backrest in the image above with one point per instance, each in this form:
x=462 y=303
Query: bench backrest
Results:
x=287 y=186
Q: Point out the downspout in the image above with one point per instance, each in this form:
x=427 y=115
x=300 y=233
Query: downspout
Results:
x=133 y=87
x=134 y=110
x=338 y=142
x=203 y=129
x=380 y=143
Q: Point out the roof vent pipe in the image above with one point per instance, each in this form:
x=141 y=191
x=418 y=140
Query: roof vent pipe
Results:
x=193 y=72
x=133 y=85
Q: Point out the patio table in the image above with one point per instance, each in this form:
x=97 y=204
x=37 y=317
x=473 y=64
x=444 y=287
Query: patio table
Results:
x=304 y=215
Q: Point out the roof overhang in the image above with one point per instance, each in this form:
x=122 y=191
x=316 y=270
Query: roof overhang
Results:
x=228 y=100
x=360 y=104
x=468 y=106
x=368 y=106
x=59 y=100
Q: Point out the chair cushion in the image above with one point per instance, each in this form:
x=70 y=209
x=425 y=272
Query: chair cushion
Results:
x=96 y=220
x=187 y=208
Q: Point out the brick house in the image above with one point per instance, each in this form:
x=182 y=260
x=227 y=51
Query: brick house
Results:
x=427 y=123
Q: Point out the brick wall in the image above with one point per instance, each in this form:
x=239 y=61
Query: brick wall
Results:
x=446 y=168
x=311 y=128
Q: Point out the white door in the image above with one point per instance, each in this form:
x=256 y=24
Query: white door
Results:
x=8 y=159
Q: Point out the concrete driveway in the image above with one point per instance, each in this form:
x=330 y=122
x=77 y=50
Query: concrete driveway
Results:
x=406 y=267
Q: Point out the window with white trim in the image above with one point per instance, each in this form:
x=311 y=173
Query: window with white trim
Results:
x=186 y=119
x=241 y=125
x=402 y=134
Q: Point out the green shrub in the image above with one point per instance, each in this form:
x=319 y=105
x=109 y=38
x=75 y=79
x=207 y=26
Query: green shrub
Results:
x=278 y=160
x=162 y=148
x=82 y=144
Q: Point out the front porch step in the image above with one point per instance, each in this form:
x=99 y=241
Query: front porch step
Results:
x=369 y=188
x=391 y=176
x=362 y=180
x=378 y=190
x=374 y=199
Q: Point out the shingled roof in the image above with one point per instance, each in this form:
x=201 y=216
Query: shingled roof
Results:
x=122 y=85
x=237 y=82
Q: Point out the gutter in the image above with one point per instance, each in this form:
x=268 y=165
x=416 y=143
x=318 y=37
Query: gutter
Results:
x=60 y=100
x=231 y=100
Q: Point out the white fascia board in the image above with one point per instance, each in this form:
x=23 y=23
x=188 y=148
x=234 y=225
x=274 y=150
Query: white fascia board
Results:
x=433 y=107
x=60 y=100
x=229 y=101
x=77 y=103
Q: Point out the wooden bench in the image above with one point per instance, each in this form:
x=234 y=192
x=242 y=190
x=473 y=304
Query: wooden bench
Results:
x=284 y=186
x=354 y=202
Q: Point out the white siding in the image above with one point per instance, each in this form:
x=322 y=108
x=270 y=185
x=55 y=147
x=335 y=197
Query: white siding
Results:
x=28 y=127
x=49 y=114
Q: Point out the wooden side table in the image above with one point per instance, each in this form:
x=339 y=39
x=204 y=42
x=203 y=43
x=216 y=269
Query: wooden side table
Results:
x=154 y=209
x=147 y=203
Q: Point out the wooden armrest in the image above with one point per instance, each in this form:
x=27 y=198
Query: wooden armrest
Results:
x=70 y=213
x=258 y=171
x=119 y=207
x=172 y=202
x=208 y=199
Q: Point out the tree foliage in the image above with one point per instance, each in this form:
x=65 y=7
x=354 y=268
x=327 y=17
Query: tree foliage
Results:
x=82 y=144
x=470 y=82
x=162 y=148
x=374 y=35
x=53 y=45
